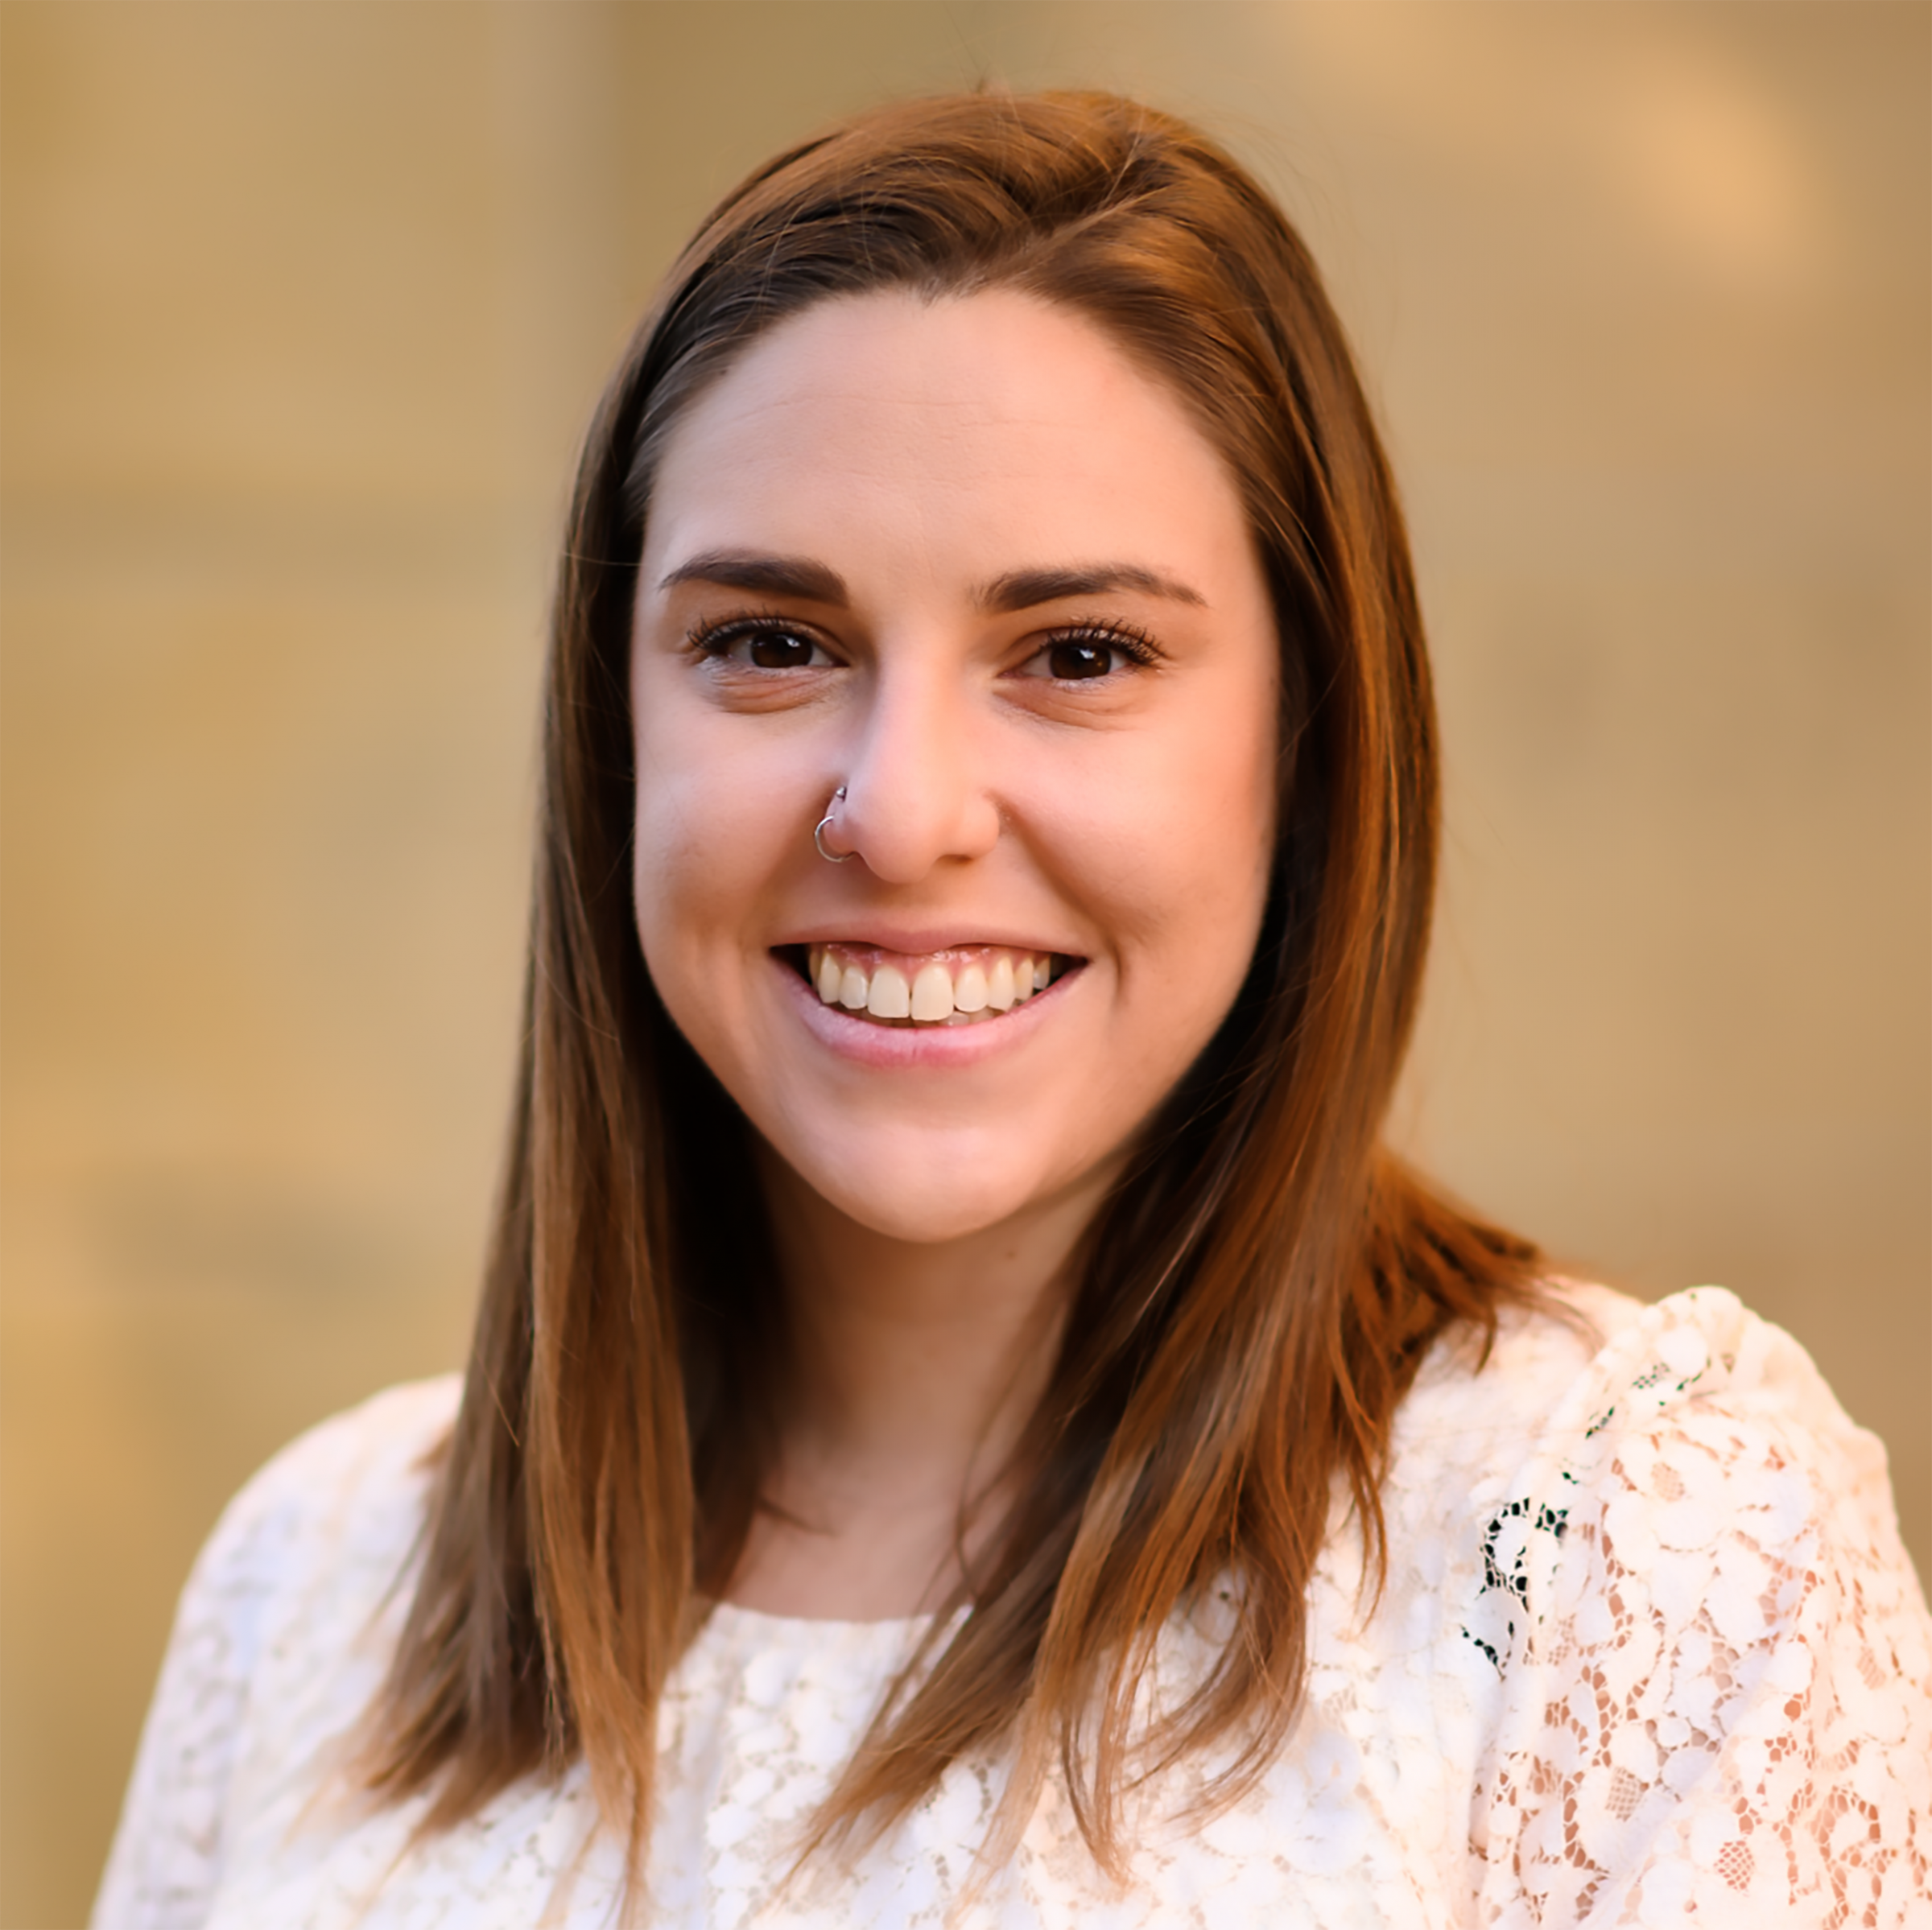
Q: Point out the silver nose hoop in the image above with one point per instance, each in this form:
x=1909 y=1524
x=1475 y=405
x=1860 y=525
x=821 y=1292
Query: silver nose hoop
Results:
x=818 y=831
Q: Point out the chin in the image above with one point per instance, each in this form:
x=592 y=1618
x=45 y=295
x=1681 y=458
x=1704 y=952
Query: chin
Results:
x=921 y=1203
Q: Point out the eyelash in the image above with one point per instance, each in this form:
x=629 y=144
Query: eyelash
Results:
x=1133 y=642
x=712 y=636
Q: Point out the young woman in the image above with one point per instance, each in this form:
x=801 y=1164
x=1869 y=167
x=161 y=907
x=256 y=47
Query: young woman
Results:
x=966 y=1424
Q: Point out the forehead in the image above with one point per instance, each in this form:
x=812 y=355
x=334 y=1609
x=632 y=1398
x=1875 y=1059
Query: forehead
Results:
x=979 y=427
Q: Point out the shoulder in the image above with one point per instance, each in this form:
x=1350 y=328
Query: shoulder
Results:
x=314 y=1545
x=1684 y=1582
x=272 y=1642
x=1673 y=1430
x=344 y=1500
x=1569 y=1386
x=326 y=1481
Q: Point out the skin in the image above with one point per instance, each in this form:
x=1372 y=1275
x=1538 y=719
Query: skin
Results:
x=842 y=582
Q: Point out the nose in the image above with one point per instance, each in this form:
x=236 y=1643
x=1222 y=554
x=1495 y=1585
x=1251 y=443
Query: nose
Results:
x=916 y=797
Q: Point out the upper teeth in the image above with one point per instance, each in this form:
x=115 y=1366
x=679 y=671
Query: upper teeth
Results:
x=957 y=987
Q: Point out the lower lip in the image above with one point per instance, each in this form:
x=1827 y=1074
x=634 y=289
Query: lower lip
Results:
x=921 y=1046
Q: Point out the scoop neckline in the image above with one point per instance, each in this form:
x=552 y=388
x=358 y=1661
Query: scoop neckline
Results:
x=810 y=1627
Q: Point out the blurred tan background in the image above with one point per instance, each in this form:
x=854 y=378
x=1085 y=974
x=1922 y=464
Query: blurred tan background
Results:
x=303 y=305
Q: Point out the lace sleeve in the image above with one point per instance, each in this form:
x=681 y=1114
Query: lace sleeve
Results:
x=166 y=1858
x=1718 y=1662
x=345 y=1498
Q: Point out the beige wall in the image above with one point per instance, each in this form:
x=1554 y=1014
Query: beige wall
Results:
x=301 y=304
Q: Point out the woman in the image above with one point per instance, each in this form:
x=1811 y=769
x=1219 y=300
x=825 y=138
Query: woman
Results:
x=966 y=1424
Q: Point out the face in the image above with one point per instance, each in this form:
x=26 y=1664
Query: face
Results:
x=962 y=561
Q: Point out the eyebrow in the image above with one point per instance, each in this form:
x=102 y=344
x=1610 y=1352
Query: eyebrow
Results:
x=1017 y=589
x=1021 y=589
x=775 y=575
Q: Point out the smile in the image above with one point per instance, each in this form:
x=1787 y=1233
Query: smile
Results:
x=965 y=986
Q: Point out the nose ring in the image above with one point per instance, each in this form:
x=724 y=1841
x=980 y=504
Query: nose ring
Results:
x=818 y=831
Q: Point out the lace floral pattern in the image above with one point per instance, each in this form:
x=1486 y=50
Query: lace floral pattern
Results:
x=1648 y=1650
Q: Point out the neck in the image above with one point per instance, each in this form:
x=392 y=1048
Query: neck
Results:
x=915 y=1366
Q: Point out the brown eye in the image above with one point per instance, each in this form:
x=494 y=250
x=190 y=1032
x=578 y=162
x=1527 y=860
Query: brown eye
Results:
x=1073 y=660
x=780 y=650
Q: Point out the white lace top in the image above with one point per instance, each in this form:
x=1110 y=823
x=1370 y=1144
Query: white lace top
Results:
x=1650 y=1651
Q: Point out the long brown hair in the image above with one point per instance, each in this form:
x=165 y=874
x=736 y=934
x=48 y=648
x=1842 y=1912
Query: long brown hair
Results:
x=1253 y=1301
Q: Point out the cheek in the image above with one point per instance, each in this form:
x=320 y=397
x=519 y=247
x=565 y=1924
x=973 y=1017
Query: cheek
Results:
x=1176 y=854
x=668 y=873
x=1217 y=857
x=707 y=839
